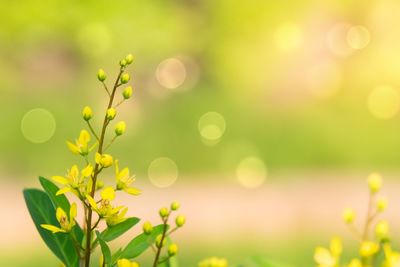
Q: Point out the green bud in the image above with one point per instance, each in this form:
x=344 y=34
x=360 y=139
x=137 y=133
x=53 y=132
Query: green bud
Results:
x=123 y=63
x=127 y=93
x=129 y=59
x=87 y=113
x=111 y=112
x=180 y=220
x=158 y=241
x=147 y=228
x=164 y=212
x=120 y=128
x=172 y=250
x=125 y=78
x=175 y=205
x=99 y=184
x=101 y=75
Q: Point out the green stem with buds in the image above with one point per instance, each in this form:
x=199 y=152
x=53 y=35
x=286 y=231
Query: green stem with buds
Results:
x=96 y=172
x=159 y=248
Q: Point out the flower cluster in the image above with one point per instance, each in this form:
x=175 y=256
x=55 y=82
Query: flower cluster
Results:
x=97 y=198
x=375 y=249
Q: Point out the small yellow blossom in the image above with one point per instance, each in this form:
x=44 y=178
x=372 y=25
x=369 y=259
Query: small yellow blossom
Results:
x=147 y=228
x=124 y=180
x=111 y=112
x=213 y=262
x=81 y=144
x=329 y=257
x=172 y=250
x=120 y=128
x=381 y=204
x=73 y=181
x=104 y=160
x=126 y=263
x=87 y=113
x=392 y=259
x=355 y=263
x=129 y=58
x=348 y=215
x=127 y=93
x=374 y=182
x=368 y=249
x=382 y=230
x=180 y=220
x=65 y=223
x=101 y=75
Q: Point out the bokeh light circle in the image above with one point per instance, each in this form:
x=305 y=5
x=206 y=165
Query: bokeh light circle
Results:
x=163 y=172
x=251 y=172
x=358 y=37
x=38 y=125
x=211 y=127
x=288 y=37
x=384 y=102
x=337 y=40
x=171 y=73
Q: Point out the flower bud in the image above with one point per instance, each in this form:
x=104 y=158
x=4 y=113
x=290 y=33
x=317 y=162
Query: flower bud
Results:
x=127 y=93
x=158 y=241
x=355 y=263
x=374 y=182
x=368 y=249
x=381 y=204
x=101 y=75
x=104 y=160
x=120 y=128
x=164 y=212
x=99 y=184
x=126 y=263
x=348 y=215
x=382 y=230
x=123 y=63
x=172 y=250
x=129 y=59
x=180 y=220
x=125 y=78
x=147 y=228
x=87 y=113
x=111 y=112
x=175 y=205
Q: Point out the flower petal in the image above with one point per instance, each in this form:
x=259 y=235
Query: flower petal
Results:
x=63 y=191
x=74 y=149
x=108 y=193
x=132 y=190
x=60 y=180
x=52 y=228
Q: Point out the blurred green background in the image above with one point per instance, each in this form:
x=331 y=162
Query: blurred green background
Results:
x=242 y=93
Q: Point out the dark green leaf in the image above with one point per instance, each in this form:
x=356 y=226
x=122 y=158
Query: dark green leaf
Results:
x=60 y=201
x=43 y=212
x=140 y=243
x=117 y=230
x=104 y=249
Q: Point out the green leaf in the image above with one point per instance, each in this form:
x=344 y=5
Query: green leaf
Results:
x=264 y=262
x=42 y=211
x=104 y=249
x=60 y=201
x=140 y=243
x=116 y=256
x=117 y=230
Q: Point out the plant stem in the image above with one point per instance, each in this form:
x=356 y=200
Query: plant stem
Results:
x=96 y=172
x=159 y=248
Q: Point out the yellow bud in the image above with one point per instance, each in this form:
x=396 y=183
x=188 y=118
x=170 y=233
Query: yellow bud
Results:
x=111 y=112
x=129 y=59
x=336 y=246
x=101 y=75
x=87 y=113
x=381 y=204
x=175 y=205
x=125 y=78
x=127 y=93
x=147 y=228
x=158 y=241
x=123 y=63
x=374 y=182
x=355 y=263
x=104 y=160
x=180 y=220
x=348 y=215
x=164 y=212
x=382 y=230
x=172 y=250
x=99 y=184
x=126 y=263
x=368 y=249
x=120 y=128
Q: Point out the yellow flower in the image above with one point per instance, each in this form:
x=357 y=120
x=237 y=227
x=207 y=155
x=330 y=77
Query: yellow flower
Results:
x=104 y=160
x=348 y=215
x=87 y=113
x=355 y=263
x=329 y=258
x=392 y=259
x=105 y=210
x=368 y=249
x=374 y=182
x=124 y=180
x=74 y=182
x=382 y=230
x=111 y=112
x=81 y=144
x=120 y=128
x=381 y=204
x=65 y=223
x=213 y=262
x=126 y=263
